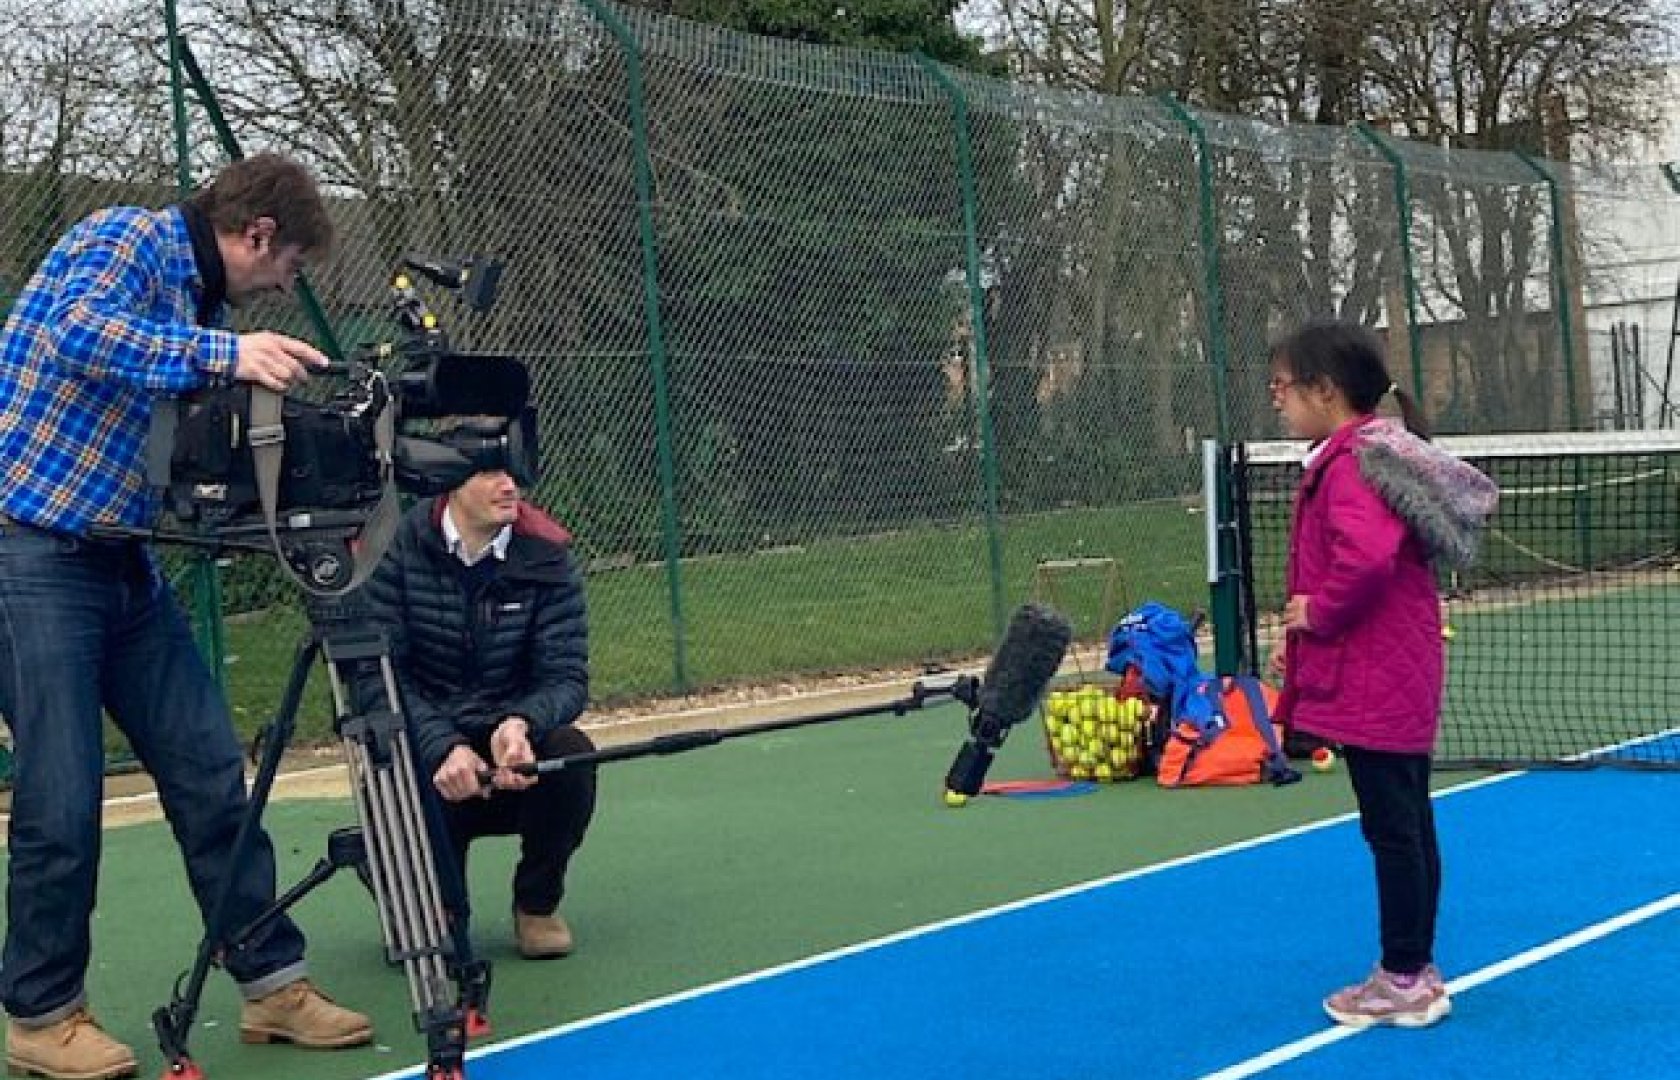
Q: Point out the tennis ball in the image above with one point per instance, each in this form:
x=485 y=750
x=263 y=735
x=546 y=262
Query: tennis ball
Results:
x=1104 y=772
x=955 y=799
x=1324 y=759
x=1448 y=632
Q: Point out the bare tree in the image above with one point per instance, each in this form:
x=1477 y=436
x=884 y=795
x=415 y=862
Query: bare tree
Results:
x=1559 y=78
x=77 y=125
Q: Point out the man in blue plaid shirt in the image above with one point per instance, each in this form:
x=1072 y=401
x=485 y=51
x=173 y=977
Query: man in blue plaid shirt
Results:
x=129 y=307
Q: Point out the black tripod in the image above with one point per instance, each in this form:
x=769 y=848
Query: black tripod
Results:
x=397 y=850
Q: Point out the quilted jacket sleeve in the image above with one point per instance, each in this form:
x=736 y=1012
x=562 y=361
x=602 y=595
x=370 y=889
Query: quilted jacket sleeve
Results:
x=558 y=690
x=1365 y=537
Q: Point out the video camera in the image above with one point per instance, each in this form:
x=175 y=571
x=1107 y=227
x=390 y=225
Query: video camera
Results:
x=411 y=415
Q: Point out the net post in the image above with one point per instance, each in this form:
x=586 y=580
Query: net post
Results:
x=1222 y=571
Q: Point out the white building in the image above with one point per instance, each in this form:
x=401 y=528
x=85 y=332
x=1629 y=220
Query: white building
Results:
x=1630 y=226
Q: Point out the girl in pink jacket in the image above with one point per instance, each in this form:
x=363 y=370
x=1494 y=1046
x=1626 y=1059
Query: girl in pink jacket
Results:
x=1363 y=654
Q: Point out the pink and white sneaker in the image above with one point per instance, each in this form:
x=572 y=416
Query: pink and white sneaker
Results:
x=1409 y=1001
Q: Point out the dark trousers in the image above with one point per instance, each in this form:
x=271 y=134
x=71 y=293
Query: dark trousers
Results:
x=1398 y=821
x=90 y=626
x=550 y=820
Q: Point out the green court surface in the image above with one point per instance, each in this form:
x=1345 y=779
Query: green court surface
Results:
x=700 y=866
x=1546 y=674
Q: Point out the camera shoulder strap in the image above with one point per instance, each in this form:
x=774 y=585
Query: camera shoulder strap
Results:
x=267 y=434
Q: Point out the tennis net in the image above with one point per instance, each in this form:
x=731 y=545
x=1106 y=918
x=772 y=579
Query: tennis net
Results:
x=1563 y=647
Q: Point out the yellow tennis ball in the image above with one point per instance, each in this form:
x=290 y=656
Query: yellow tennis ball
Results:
x=1104 y=771
x=1448 y=632
x=955 y=799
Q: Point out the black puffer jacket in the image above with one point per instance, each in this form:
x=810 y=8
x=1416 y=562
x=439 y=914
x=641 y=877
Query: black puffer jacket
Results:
x=521 y=650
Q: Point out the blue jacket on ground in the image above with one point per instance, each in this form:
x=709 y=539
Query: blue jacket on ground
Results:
x=1161 y=644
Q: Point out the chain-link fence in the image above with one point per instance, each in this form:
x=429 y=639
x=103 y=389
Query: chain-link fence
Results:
x=839 y=354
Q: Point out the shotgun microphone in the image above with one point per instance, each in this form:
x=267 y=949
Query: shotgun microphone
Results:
x=1031 y=651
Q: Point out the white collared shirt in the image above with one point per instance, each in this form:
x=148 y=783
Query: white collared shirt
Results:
x=498 y=545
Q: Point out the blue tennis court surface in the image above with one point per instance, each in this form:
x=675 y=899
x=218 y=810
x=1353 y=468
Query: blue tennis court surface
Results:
x=1216 y=965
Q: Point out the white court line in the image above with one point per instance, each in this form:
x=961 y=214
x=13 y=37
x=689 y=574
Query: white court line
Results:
x=1525 y=959
x=933 y=928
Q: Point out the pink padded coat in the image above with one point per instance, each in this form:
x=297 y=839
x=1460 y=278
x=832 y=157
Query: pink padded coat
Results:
x=1368 y=670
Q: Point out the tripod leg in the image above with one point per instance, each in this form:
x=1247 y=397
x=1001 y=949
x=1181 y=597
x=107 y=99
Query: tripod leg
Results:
x=469 y=973
x=406 y=847
x=173 y=1021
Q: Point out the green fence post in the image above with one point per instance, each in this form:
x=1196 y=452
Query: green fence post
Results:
x=178 y=96
x=1561 y=297
x=655 y=330
x=1227 y=628
x=977 y=315
x=1213 y=306
x=1403 y=200
x=206 y=582
x=1562 y=289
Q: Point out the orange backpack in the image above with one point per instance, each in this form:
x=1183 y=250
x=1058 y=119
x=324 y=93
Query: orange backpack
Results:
x=1245 y=750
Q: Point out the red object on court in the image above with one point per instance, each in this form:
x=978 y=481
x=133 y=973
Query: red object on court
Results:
x=185 y=1069
x=478 y=1025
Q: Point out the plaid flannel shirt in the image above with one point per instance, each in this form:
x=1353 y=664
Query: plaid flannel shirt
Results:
x=106 y=324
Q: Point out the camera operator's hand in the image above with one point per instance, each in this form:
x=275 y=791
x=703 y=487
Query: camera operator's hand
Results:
x=460 y=777
x=510 y=745
x=275 y=360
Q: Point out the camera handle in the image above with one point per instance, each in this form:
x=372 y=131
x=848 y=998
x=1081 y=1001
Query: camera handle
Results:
x=397 y=849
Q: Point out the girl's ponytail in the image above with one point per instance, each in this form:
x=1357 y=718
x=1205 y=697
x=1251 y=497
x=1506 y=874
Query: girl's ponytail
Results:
x=1411 y=413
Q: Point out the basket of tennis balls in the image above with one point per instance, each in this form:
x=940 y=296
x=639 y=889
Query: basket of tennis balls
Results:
x=1097 y=732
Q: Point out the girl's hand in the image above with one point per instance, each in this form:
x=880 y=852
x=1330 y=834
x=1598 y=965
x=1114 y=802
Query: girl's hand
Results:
x=1295 y=613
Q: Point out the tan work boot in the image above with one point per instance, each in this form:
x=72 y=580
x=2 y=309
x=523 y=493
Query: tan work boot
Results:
x=541 y=937
x=299 y=1013
x=75 y=1048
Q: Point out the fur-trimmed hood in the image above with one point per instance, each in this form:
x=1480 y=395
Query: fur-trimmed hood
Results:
x=1446 y=501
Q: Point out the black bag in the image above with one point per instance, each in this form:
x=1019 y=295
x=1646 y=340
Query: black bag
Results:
x=329 y=461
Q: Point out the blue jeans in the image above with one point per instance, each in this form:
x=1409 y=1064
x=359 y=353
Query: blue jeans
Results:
x=91 y=624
